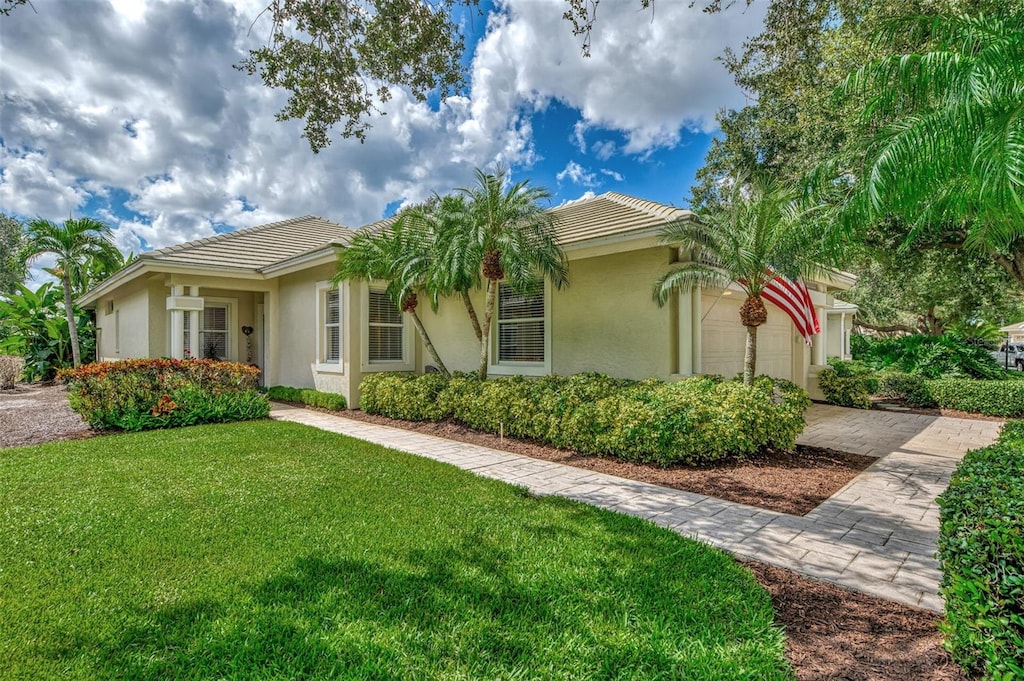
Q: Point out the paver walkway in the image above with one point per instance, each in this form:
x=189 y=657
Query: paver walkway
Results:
x=876 y=535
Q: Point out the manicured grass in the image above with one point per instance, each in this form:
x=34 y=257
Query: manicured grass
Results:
x=274 y=550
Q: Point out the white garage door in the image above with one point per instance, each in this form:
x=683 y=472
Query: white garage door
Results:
x=723 y=339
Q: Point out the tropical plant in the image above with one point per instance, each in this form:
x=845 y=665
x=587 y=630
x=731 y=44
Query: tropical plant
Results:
x=33 y=326
x=458 y=273
x=402 y=256
x=504 y=235
x=78 y=245
x=949 y=154
x=760 y=232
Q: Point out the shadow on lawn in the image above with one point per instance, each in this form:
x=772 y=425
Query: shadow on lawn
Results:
x=463 y=612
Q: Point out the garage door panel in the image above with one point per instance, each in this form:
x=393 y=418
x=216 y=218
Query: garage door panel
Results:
x=723 y=339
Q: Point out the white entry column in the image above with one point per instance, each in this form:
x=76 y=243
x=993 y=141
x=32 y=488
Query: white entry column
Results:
x=184 y=300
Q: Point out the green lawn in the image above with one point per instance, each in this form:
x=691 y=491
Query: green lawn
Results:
x=274 y=550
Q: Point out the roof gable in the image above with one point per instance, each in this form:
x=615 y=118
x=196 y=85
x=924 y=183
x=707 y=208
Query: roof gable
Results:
x=256 y=247
x=612 y=214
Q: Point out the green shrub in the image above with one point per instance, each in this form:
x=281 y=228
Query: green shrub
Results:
x=694 y=420
x=404 y=396
x=991 y=398
x=140 y=394
x=928 y=356
x=848 y=383
x=307 y=396
x=897 y=385
x=981 y=549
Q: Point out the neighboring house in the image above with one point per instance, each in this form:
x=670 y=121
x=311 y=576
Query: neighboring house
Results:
x=1015 y=332
x=199 y=298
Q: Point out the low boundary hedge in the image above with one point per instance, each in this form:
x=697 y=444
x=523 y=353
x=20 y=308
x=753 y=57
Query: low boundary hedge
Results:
x=700 y=419
x=981 y=548
x=141 y=394
x=991 y=398
x=851 y=384
x=307 y=396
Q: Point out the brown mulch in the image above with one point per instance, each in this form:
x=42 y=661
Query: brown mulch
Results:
x=787 y=482
x=835 y=634
x=36 y=413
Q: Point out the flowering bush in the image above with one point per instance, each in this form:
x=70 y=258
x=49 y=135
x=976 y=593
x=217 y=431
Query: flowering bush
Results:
x=139 y=394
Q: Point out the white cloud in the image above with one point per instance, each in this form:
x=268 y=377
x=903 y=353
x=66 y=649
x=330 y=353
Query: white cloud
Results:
x=612 y=174
x=604 y=149
x=141 y=108
x=577 y=174
x=648 y=76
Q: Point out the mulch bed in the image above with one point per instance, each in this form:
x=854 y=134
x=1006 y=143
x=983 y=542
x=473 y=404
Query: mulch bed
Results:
x=836 y=634
x=37 y=413
x=787 y=482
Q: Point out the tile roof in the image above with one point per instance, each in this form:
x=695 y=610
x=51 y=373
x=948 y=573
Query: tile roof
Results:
x=256 y=247
x=612 y=214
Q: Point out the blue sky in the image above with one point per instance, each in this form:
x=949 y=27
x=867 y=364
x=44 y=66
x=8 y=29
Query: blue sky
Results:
x=131 y=112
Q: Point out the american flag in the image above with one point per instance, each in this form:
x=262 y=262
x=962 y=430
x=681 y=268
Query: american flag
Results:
x=794 y=299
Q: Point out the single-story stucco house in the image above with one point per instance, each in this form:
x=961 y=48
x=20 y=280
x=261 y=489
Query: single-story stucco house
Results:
x=262 y=295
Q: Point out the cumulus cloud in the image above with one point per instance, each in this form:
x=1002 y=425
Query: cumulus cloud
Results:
x=648 y=75
x=132 y=111
x=612 y=174
x=577 y=174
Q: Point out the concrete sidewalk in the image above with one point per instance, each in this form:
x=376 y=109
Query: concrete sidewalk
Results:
x=876 y=535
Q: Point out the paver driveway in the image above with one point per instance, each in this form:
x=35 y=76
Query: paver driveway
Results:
x=876 y=535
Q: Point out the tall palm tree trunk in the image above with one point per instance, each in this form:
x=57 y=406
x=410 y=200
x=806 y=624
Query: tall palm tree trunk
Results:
x=492 y=288
x=428 y=344
x=750 y=356
x=473 y=319
x=76 y=354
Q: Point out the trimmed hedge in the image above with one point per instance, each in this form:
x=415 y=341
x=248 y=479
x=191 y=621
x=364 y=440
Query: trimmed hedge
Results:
x=141 y=394
x=695 y=420
x=307 y=396
x=991 y=398
x=848 y=383
x=981 y=548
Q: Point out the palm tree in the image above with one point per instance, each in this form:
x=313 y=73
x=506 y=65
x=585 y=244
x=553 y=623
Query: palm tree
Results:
x=458 y=272
x=75 y=243
x=505 y=235
x=760 y=231
x=401 y=255
x=950 y=149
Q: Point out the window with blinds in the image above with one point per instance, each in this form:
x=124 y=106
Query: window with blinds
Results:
x=332 y=327
x=521 y=324
x=385 y=341
x=214 y=335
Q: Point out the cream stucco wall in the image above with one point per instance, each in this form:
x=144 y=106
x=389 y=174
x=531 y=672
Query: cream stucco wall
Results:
x=605 y=320
x=298 y=331
x=123 y=323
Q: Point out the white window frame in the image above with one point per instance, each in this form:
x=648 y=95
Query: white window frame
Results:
x=408 y=362
x=322 y=366
x=506 y=368
x=232 y=322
